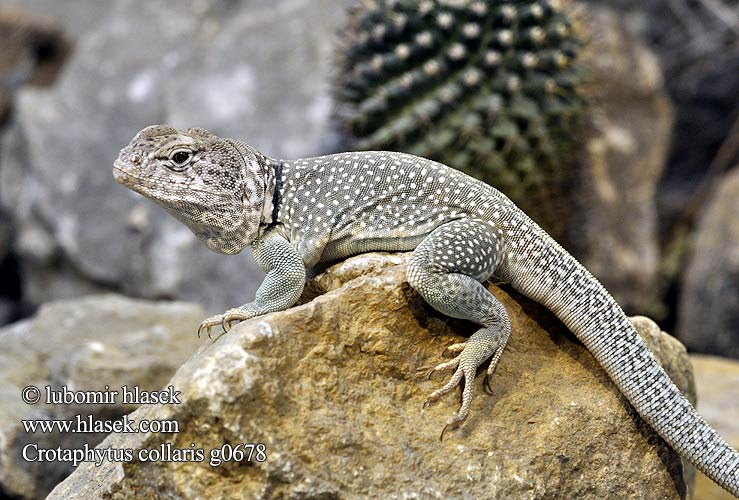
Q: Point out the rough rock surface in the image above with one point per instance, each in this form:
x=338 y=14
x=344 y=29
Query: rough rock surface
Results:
x=334 y=389
x=708 y=314
x=717 y=385
x=83 y=344
x=613 y=230
x=209 y=63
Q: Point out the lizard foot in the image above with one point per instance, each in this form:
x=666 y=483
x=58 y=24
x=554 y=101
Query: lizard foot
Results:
x=484 y=344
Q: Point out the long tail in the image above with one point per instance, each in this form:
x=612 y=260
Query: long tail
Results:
x=583 y=304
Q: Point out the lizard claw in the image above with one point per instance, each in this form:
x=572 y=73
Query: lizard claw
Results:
x=207 y=324
x=226 y=319
x=232 y=316
x=467 y=373
x=449 y=365
x=491 y=369
x=487 y=387
x=439 y=368
x=453 y=423
x=456 y=378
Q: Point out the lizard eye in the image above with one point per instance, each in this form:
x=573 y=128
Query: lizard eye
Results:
x=180 y=159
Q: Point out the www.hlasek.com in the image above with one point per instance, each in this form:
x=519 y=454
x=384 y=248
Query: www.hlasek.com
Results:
x=82 y=424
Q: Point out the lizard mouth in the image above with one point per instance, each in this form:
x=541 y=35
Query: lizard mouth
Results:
x=120 y=175
x=123 y=176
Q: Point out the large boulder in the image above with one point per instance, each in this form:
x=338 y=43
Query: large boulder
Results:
x=708 y=313
x=334 y=390
x=209 y=63
x=83 y=345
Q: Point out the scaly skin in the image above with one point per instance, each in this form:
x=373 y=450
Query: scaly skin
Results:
x=296 y=214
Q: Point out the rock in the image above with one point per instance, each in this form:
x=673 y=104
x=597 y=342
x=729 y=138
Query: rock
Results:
x=708 y=312
x=33 y=51
x=697 y=43
x=84 y=344
x=209 y=63
x=334 y=390
x=613 y=224
x=717 y=385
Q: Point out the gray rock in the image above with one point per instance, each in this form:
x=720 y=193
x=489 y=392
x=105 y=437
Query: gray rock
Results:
x=77 y=16
x=708 y=312
x=613 y=228
x=334 y=390
x=698 y=46
x=33 y=52
x=7 y=310
x=84 y=344
x=252 y=69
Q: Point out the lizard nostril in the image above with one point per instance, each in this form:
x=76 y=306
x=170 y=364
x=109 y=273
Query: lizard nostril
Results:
x=136 y=159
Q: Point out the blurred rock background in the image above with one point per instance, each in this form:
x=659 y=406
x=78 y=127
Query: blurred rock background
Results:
x=256 y=70
x=655 y=215
x=80 y=78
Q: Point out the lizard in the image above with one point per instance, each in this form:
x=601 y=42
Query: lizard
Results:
x=299 y=213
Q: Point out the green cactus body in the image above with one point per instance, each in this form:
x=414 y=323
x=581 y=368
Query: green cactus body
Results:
x=486 y=86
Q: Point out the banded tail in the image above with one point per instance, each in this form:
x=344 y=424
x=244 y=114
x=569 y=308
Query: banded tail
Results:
x=577 y=298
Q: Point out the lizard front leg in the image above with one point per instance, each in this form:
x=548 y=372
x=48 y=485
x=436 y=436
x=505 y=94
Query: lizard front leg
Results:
x=446 y=270
x=280 y=289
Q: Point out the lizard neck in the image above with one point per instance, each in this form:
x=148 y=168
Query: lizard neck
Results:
x=271 y=173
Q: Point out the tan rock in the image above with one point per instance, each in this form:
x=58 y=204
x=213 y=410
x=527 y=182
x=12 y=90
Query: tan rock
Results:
x=334 y=390
x=717 y=384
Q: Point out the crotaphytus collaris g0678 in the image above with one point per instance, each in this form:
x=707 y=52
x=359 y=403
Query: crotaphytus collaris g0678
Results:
x=296 y=214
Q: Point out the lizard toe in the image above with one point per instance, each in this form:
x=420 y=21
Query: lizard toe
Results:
x=456 y=348
x=455 y=421
x=453 y=382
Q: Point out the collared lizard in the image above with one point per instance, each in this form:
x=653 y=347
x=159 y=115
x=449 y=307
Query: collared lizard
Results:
x=296 y=214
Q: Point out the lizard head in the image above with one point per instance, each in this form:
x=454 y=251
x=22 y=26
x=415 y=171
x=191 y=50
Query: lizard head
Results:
x=217 y=187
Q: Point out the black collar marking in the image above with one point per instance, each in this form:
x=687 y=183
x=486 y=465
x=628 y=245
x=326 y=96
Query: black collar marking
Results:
x=276 y=198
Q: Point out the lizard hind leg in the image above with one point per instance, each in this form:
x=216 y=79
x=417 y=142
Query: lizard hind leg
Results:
x=447 y=269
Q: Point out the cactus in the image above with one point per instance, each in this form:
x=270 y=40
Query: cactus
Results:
x=486 y=86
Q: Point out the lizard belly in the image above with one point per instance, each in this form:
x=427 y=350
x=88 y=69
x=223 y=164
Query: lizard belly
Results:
x=346 y=246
